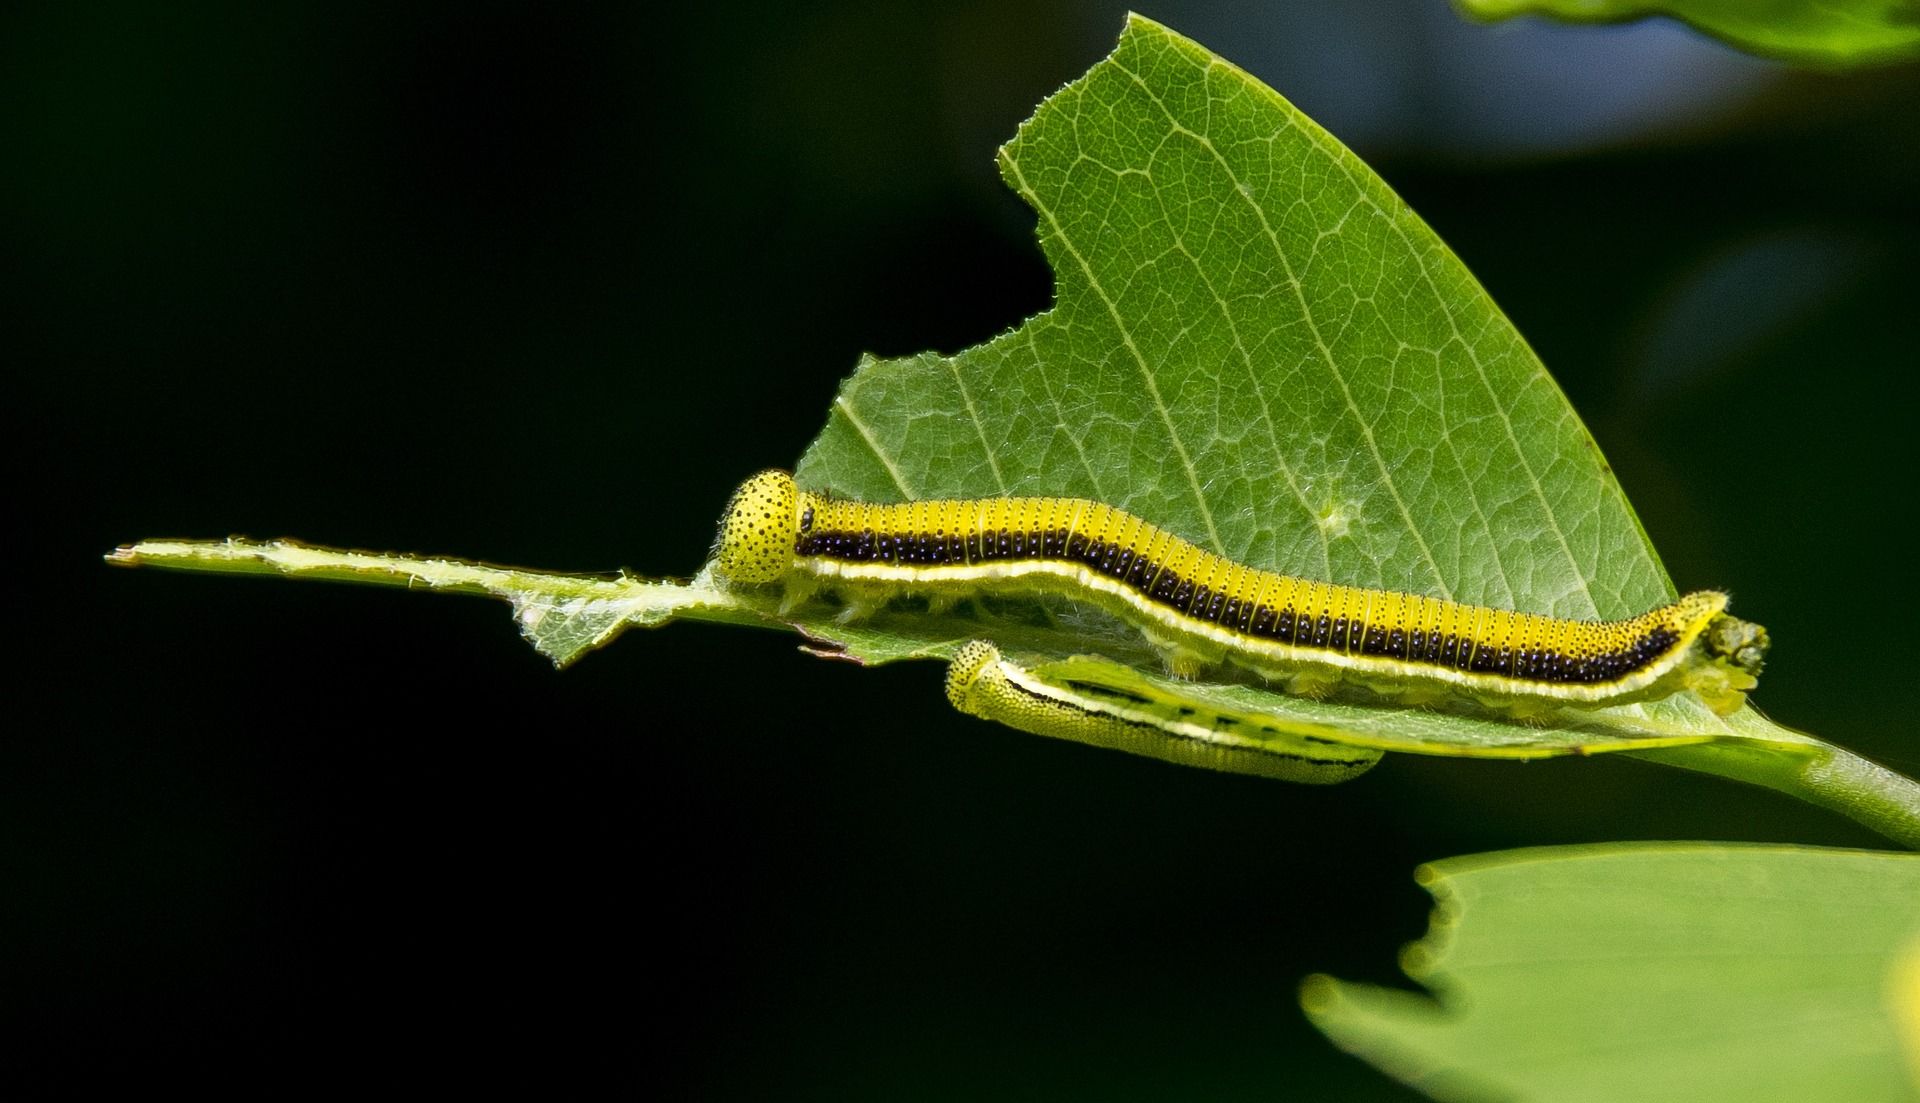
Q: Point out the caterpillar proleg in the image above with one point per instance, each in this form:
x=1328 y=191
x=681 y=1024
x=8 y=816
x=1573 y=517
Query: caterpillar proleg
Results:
x=1203 y=611
x=982 y=683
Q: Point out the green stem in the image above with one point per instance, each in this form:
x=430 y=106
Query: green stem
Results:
x=293 y=559
x=1818 y=773
x=562 y=615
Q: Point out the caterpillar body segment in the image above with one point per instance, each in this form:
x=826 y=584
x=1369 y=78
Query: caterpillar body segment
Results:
x=1202 y=610
x=982 y=683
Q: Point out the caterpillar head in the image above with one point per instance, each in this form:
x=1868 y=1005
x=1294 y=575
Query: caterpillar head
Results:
x=758 y=530
x=968 y=666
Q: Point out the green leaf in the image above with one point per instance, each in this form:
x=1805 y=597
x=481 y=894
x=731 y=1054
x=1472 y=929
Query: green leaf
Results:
x=1831 y=32
x=1258 y=345
x=1254 y=344
x=1681 y=971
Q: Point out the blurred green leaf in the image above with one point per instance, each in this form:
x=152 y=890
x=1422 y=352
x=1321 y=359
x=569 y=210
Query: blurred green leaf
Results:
x=1682 y=971
x=1831 y=32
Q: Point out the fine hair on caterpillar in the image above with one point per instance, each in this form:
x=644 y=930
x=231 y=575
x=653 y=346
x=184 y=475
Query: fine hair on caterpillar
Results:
x=1203 y=611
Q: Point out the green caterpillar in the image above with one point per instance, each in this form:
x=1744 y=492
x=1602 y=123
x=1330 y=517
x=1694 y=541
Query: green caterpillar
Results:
x=982 y=683
x=1203 y=611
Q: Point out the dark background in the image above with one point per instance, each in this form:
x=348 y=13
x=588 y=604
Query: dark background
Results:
x=540 y=286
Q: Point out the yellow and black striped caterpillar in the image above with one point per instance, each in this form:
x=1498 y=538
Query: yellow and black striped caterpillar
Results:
x=1202 y=610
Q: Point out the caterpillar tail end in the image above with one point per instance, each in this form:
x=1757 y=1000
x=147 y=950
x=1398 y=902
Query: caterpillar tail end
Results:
x=1741 y=643
x=1736 y=652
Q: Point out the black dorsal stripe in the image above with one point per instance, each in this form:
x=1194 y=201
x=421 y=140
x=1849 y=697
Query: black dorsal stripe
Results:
x=1202 y=606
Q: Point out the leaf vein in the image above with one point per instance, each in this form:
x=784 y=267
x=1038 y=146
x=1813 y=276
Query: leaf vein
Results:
x=1313 y=326
x=1133 y=348
x=866 y=436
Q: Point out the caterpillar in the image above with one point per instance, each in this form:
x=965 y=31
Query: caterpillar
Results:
x=1203 y=611
x=982 y=683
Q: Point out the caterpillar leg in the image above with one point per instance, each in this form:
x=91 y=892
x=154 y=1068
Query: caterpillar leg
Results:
x=1184 y=664
x=858 y=608
x=1422 y=695
x=1734 y=652
x=1311 y=684
x=800 y=589
x=1182 y=661
x=1723 y=690
x=1533 y=712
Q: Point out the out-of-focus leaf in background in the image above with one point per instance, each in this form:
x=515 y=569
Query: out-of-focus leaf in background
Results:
x=1685 y=971
x=1821 y=32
